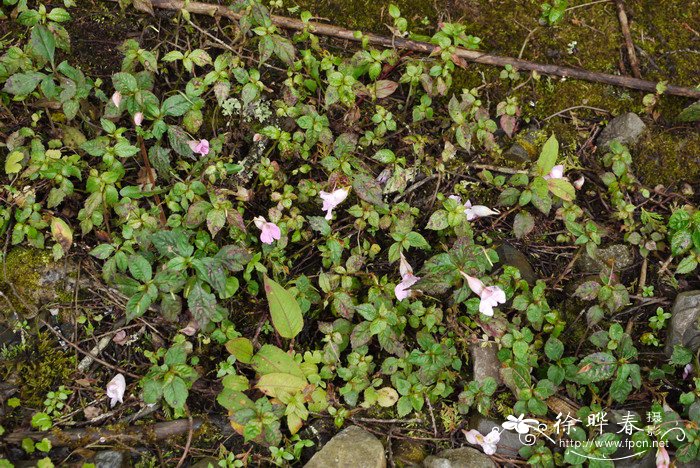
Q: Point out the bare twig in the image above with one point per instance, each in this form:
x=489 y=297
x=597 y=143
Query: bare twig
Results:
x=427 y=48
x=625 y=27
x=87 y=353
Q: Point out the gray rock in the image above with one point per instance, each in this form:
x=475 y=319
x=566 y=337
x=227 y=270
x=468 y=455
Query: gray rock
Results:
x=616 y=425
x=409 y=453
x=620 y=256
x=510 y=442
x=485 y=362
x=465 y=457
x=526 y=148
x=683 y=329
x=353 y=447
x=625 y=128
x=511 y=256
x=110 y=459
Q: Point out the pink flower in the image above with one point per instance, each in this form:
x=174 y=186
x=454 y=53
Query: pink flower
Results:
x=117 y=99
x=488 y=442
x=257 y=137
x=200 y=147
x=269 y=232
x=138 y=119
x=578 y=183
x=687 y=370
x=408 y=279
x=557 y=172
x=662 y=458
x=476 y=211
x=333 y=199
x=115 y=390
x=490 y=296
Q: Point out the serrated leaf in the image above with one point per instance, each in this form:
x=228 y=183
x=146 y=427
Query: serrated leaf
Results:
x=562 y=188
x=43 y=42
x=202 y=304
x=284 y=310
x=271 y=359
x=523 y=224
x=278 y=384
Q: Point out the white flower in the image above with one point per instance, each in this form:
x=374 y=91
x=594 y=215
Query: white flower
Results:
x=578 y=183
x=117 y=99
x=403 y=289
x=490 y=296
x=115 y=390
x=520 y=424
x=333 y=199
x=475 y=211
x=557 y=172
x=487 y=442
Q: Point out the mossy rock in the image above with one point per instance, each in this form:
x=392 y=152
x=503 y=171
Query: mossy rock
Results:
x=30 y=279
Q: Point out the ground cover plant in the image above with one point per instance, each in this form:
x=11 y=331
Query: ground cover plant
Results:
x=234 y=240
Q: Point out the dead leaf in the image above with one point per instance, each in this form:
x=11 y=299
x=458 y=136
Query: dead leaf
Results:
x=385 y=88
x=61 y=233
x=144 y=5
x=120 y=338
x=91 y=412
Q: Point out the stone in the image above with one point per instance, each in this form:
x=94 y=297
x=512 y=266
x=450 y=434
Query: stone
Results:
x=526 y=147
x=354 y=447
x=683 y=328
x=620 y=256
x=510 y=441
x=509 y=255
x=110 y=459
x=625 y=128
x=409 y=453
x=465 y=457
x=485 y=362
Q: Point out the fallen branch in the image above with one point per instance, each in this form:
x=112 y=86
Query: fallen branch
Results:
x=625 y=27
x=83 y=437
x=201 y=8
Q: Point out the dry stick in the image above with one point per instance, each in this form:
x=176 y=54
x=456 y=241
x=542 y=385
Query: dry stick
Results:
x=624 y=25
x=427 y=48
x=158 y=431
x=87 y=353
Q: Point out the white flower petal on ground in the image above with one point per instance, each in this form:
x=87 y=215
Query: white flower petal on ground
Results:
x=115 y=390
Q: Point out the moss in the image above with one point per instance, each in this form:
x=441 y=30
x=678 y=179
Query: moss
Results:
x=668 y=157
x=30 y=278
x=39 y=368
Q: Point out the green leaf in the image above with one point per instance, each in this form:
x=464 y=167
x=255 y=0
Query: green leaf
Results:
x=140 y=268
x=44 y=445
x=43 y=42
x=176 y=105
x=438 y=221
x=548 y=156
x=284 y=309
x=241 y=348
x=42 y=421
x=554 y=349
x=175 y=393
x=12 y=163
x=562 y=188
x=368 y=189
x=272 y=359
x=596 y=367
x=21 y=84
x=680 y=242
x=125 y=83
x=179 y=141
x=202 y=304
x=687 y=265
x=277 y=384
